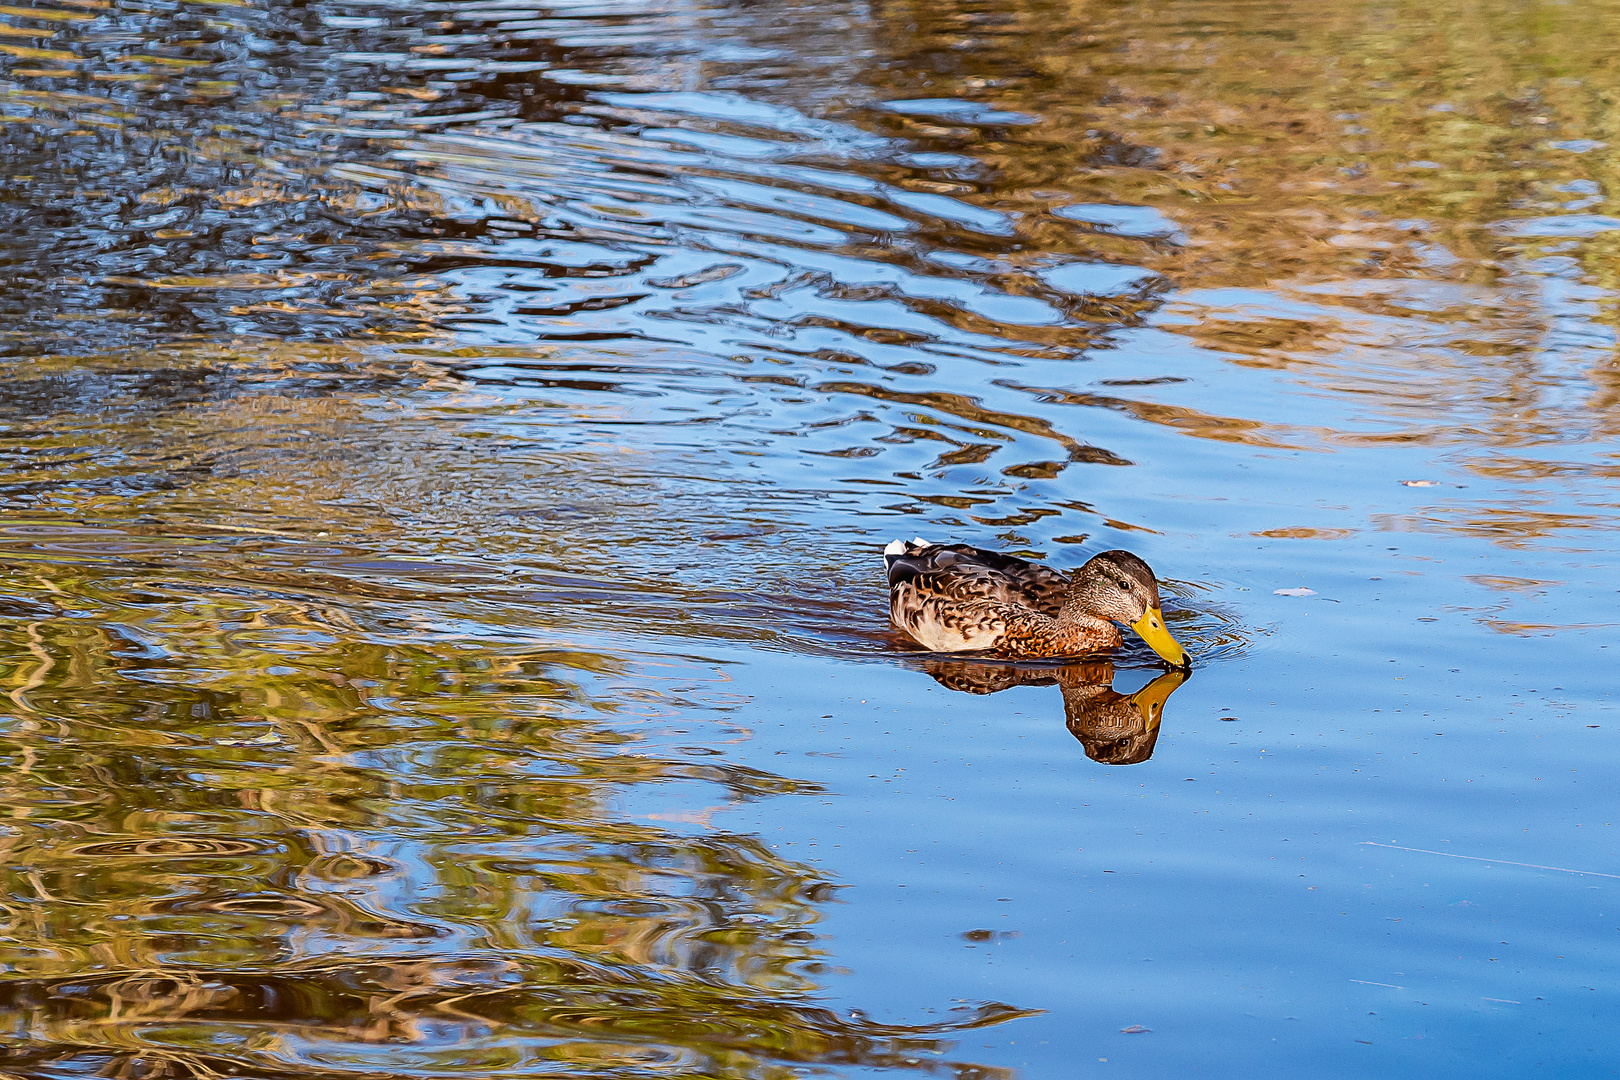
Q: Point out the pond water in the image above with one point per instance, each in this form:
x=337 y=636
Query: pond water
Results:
x=448 y=450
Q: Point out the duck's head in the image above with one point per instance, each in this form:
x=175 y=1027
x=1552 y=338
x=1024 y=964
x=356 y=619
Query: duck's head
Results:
x=1119 y=586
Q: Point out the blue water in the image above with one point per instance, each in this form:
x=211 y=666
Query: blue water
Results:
x=448 y=453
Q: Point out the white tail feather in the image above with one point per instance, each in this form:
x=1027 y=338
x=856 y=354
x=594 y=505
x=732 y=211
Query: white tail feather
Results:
x=895 y=547
x=918 y=541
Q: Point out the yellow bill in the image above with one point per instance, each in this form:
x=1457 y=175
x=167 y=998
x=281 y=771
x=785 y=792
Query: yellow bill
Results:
x=1149 y=700
x=1151 y=627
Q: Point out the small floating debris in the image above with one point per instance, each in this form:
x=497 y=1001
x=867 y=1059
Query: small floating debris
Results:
x=1419 y=483
x=1135 y=1029
x=1301 y=591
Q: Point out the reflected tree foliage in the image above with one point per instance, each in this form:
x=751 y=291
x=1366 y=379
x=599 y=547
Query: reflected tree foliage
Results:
x=251 y=833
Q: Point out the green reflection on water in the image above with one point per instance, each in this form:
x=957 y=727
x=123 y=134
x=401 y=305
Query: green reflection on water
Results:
x=246 y=828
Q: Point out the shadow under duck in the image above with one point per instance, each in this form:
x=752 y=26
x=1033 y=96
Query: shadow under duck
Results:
x=956 y=598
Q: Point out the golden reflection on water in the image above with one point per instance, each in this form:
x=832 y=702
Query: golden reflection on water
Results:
x=295 y=832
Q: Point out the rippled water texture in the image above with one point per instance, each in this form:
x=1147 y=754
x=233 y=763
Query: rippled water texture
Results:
x=447 y=450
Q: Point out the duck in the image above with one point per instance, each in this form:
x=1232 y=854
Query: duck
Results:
x=956 y=598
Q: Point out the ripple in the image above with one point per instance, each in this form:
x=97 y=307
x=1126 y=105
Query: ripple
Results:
x=1145 y=222
x=960 y=112
x=168 y=847
x=1579 y=225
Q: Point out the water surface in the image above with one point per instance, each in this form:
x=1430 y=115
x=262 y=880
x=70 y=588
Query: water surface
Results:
x=448 y=449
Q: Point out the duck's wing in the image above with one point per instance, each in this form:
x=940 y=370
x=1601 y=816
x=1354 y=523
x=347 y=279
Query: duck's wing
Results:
x=944 y=623
x=966 y=574
x=956 y=598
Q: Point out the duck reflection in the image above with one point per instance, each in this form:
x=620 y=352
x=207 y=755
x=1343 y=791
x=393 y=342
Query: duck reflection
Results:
x=1115 y=728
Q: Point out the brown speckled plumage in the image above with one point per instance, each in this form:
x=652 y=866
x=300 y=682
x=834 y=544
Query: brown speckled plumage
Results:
x=956 y=598
x=1114 y=728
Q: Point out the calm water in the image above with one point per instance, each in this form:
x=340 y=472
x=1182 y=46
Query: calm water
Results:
x=448 y=448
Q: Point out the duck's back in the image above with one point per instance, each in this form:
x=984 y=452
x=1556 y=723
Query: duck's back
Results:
x=969 y=573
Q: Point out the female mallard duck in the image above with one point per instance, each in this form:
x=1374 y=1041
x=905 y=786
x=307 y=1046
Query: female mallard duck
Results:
x=952 y=598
